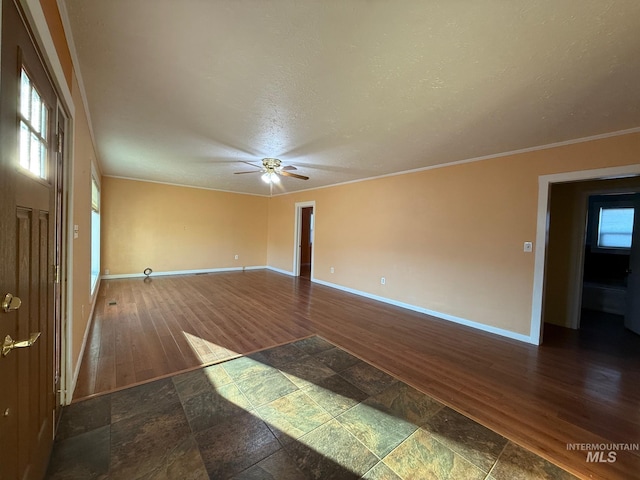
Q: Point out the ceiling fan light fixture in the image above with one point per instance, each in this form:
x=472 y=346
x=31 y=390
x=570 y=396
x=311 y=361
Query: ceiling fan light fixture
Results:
x=270 y=177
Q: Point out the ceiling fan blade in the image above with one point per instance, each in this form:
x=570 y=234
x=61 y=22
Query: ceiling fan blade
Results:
x=289 y=167
x=253 y=171
x=250 y=164
x=294 y=175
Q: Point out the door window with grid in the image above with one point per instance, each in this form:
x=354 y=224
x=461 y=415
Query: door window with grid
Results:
x=33 y=115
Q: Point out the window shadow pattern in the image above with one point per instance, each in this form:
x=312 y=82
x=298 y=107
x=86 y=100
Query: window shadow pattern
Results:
x=303 y=410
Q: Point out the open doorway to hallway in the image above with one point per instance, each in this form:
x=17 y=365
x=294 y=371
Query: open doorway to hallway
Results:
x=593 y=244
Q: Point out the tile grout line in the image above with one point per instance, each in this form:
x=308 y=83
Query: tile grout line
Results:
x=497 y=459
x=304 y=391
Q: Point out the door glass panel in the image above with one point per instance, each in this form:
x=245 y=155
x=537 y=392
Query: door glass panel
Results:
x=36 y=155
x=33 y=115
x=25 y=136
x=25 y=95
x=36 y=108
x=43 y=120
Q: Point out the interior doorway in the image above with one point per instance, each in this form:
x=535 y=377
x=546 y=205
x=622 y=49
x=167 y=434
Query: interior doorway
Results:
x=306 y=242
x=611 y=245
x=591 y=285
x=304 y=236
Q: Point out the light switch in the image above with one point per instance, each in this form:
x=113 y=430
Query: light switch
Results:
x=528 y=246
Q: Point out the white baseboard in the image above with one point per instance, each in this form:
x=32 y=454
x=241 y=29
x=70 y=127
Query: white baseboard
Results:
x=443 y=316
x=285 y=272
x=183 y=272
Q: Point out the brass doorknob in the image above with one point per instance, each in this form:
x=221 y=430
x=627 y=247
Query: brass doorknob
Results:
x=9 y=343
x=9 y=303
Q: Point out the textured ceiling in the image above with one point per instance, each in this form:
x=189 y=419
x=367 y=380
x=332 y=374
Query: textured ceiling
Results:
x=184 y=91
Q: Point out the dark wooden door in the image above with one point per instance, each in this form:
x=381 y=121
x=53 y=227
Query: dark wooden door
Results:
x=306 y=242
x=28 y=107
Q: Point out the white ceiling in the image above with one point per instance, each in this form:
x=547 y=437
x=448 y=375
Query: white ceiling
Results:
x=184 y=91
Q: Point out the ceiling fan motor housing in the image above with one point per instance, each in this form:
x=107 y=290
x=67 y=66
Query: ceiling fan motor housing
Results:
x=271 y=164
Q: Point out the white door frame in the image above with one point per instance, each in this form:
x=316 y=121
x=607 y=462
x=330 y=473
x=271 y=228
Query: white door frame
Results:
x=66 y=262
x=297 y=233
x=542 y=232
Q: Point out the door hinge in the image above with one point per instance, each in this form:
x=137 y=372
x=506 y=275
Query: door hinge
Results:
x=57 y=273
x=59 y=143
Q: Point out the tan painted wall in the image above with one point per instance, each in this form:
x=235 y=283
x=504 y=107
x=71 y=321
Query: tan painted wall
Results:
x=449 y=239
x=84 y=156
x=171 y=228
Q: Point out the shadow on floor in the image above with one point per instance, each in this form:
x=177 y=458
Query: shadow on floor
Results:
x=304 y=410
x=599 y=332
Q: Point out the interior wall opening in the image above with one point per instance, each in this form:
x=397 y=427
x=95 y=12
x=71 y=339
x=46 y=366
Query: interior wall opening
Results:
x=589 y=288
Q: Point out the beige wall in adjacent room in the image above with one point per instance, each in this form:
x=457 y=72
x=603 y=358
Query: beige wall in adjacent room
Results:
x=171 y=228
x=84 y=157
x=449 y=239
x=564 y=214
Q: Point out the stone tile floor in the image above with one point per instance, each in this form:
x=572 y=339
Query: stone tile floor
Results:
x=305 y=410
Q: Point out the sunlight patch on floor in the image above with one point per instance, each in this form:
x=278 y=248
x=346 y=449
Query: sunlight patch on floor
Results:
x=206 y=351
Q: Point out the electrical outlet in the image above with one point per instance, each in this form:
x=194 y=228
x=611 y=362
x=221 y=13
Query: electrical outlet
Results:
x=106 y=271
x=528 y=246
x=383 y=280
x=331 y=270
x=236 y=257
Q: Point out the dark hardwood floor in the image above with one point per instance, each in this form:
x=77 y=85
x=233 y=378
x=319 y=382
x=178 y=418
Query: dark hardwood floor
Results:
x=571 y=389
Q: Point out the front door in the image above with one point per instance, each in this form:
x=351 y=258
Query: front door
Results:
x=27 y=238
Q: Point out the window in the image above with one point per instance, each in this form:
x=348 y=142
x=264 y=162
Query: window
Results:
x=615 y=227
x=95 y=196
x=33 y=115
x=95 y=233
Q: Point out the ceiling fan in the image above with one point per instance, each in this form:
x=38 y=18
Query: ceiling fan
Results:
x=271 y=168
